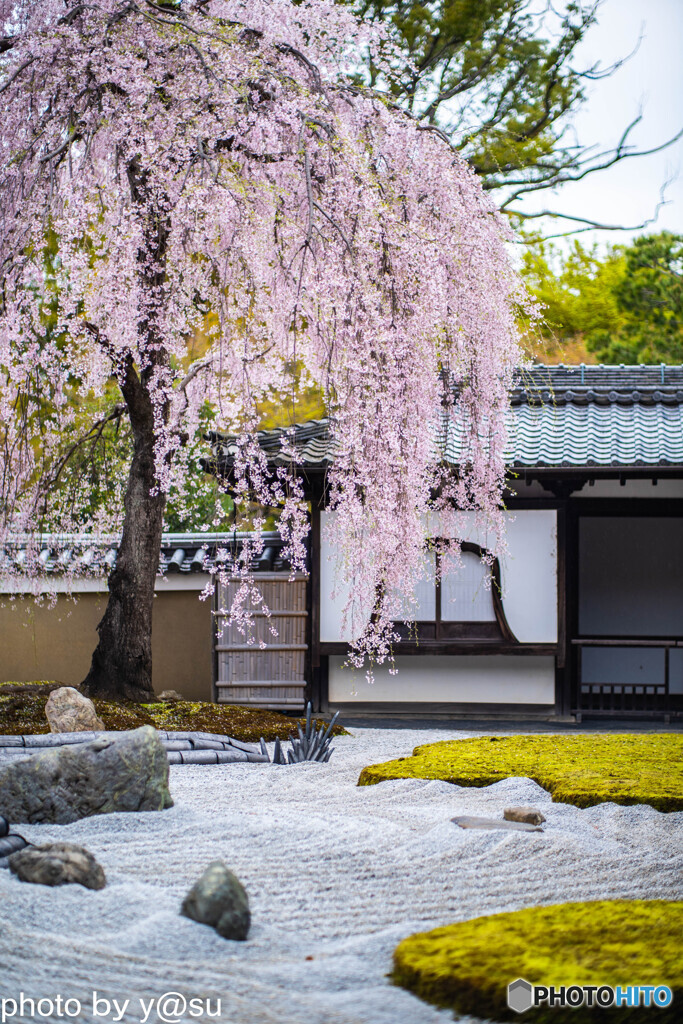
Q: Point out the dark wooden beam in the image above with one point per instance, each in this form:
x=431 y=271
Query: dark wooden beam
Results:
x=314 y=605
x=437 y=709
x=562 y=675
x=453 y=647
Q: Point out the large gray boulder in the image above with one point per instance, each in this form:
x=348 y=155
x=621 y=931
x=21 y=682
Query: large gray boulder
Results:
x=68 y=710
x=58 y=864
x=219 y=899
x=124 y=772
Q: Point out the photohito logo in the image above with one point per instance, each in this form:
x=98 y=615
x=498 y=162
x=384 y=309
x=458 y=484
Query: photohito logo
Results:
x=523 y=996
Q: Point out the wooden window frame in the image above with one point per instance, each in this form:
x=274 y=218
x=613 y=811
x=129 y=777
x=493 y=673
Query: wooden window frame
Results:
x=496 y=629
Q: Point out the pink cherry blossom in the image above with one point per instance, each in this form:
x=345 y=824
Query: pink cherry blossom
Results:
x=210 y=173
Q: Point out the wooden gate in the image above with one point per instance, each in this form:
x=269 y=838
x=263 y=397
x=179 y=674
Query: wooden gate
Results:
x=258 y=668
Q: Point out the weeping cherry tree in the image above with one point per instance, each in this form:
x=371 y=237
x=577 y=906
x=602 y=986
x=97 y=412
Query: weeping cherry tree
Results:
x=213 y=208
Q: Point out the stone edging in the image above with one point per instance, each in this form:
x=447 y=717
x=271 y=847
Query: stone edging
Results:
x=181 y=747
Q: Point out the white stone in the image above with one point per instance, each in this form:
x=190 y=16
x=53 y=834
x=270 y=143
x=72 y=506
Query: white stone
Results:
x=67 y=710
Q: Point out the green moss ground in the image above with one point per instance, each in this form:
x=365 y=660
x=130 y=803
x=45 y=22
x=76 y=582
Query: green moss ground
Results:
x=643 y=768
x=24 y=712
x=468 y=966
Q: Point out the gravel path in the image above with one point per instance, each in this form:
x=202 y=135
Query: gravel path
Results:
x=336 y=876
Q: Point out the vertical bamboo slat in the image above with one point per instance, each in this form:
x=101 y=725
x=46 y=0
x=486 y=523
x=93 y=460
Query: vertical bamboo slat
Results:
x=256 y=667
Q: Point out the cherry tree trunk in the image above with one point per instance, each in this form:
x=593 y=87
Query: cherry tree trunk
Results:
x=122 y=662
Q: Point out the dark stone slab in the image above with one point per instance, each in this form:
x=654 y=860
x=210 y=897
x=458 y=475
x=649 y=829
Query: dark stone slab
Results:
x=248 y=748
x=60 y=739
x=12 y=754
x=180 y=734
x=202 y=744
x=466 y=821
x=11 y=844
x=174 y=742
x=199 y=756
x=210 y=736
x=231 y=756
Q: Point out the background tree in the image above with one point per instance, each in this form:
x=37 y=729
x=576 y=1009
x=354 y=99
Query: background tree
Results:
x=232 y=220
x=624 y=305
x=649 y=297
x=500 y=78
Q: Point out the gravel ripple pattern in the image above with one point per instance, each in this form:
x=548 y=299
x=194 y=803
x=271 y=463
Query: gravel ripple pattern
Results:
x=337 y=875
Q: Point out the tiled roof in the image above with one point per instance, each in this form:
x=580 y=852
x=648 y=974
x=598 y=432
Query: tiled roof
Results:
x=560 y=416
x=562 y=377
x=83 y=555
x=593 y=434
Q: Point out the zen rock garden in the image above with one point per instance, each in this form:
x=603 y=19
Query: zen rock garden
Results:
x=74 y=779
x=334 y=875
x=80 y=770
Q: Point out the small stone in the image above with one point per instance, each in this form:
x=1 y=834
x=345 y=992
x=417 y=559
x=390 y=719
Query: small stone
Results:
x=529 y=815
x=170 y=695
x=219 y=899
x=57 y=864
x=495 y=823
x=67 y=710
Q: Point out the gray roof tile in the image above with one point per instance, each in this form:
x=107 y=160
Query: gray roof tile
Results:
x=181 y=553
x=560 y=416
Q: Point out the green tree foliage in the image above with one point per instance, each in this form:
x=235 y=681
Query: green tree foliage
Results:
x=650 y=297
x=622 y=306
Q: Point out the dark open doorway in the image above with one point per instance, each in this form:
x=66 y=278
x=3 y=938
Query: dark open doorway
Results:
x=627 y=622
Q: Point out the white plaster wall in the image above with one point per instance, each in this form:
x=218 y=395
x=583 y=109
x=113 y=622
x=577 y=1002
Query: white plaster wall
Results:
x=528 y=576
x=98 y=584
x=485 y=679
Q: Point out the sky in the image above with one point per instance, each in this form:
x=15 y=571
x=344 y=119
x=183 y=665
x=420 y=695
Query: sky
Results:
x=651 y=82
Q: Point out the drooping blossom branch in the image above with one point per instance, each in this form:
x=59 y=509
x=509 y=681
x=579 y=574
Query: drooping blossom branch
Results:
x=207 y=170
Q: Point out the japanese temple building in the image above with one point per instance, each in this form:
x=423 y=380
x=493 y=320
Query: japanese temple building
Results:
x=588 y=620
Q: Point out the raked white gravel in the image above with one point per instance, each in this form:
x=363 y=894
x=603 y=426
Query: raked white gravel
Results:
x=337 y=875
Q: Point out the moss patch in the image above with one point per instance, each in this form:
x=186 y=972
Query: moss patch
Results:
x=644 y=768
x=24 y=712
x=468 y=966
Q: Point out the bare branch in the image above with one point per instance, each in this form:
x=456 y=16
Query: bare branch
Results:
x=310 y=67
x=196 y=368
x=596 y=74
x=620 y=153
x=593 y=225
x=59 y=150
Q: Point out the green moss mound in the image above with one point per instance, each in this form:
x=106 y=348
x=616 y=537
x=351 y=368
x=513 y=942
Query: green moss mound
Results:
x=22 y=711
x=468 y=966
x=644 y=768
